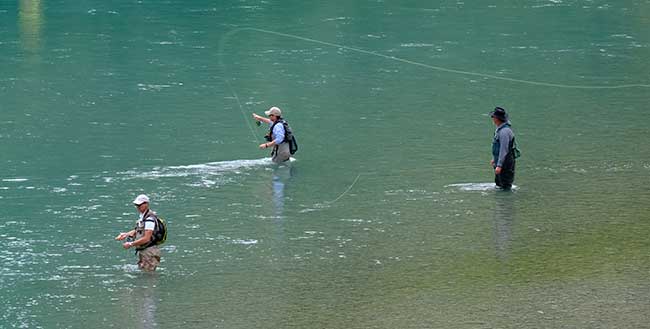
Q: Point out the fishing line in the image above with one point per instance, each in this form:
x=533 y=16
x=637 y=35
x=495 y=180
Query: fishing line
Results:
x=241 y=109
x=346 y=191
x=232 y=91
x=433 y=67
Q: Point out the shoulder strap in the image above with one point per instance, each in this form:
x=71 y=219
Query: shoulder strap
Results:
x=503 y=126
x=273 y=126
x=152 y=214
x=147 y=214
x=284 y=125
x=513 y=142
x=144 y=218
x=156 y=227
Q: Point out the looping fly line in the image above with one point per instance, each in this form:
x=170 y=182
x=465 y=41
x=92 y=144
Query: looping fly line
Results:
x=433 y=67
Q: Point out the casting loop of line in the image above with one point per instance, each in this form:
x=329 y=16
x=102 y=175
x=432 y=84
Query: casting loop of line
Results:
x=431 y=67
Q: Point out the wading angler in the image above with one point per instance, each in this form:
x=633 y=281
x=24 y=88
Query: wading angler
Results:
x=280 y=136
x=149 y=232
x=504 y=150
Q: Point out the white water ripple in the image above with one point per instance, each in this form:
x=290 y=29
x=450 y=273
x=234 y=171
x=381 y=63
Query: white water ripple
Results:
x=202 y=170
x=476 y=186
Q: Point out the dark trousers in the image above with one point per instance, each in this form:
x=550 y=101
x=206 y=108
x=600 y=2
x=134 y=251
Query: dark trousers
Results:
x=507 y=176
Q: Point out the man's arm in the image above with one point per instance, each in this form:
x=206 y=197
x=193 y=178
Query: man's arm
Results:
x=149 y=225
x=125 y=235
x=141 y=241
x=505 y=136
x=278 y=132
x=260 y=118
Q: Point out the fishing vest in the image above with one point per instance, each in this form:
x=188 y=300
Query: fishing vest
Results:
x=139 y=228
x=496 y=145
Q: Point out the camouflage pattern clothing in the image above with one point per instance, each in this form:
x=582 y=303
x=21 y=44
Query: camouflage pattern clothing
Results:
x=149 y=258
x=149 y=254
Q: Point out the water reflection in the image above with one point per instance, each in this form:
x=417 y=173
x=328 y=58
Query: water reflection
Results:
x=281 y=176
x=30 y=20
x=504 y=219
x=146 y=316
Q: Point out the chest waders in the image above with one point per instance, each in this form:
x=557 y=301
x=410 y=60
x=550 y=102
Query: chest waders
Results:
x=282 y=152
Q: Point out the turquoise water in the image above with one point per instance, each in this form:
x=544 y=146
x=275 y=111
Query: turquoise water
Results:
x=385 y=219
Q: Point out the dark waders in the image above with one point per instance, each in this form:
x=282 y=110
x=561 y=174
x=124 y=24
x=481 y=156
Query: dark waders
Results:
x=507 y=176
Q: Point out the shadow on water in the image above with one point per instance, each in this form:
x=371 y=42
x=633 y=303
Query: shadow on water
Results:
x=504 y=220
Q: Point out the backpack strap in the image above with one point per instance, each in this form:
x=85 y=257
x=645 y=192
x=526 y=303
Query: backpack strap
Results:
x=507 y=124
x=144 y=218
x=147 y=214
x=284 y=125
x=513 y=143
x=152 y=242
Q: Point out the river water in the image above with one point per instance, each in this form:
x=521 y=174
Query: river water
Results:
x=386 y=218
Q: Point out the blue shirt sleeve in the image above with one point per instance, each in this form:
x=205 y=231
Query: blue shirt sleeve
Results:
x=278 y=134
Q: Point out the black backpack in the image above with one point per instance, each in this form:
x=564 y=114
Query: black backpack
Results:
x=160 y=232
x=289 y=137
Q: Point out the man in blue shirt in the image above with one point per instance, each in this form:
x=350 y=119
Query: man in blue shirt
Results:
x=503 y=158
x=276 y=136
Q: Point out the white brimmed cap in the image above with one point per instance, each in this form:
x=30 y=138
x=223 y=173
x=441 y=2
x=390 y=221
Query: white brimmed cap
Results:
x=140 y=199
x=275 y=111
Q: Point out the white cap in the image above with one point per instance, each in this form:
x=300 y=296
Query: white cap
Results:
x=275 y=111
x=140 y=199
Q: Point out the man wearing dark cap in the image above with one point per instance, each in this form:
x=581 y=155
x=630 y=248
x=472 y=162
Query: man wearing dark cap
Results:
x=503 y=145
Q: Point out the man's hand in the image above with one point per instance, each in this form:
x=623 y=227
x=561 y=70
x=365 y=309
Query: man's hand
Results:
x=121 y=236
x=492 y=163
x=127 y=245
x=497 y=170
x=263 y=146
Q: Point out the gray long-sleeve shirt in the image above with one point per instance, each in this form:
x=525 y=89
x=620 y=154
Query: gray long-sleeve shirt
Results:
x=504 y=136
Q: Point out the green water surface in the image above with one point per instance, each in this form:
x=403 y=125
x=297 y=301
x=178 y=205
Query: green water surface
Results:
x=385 y=219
